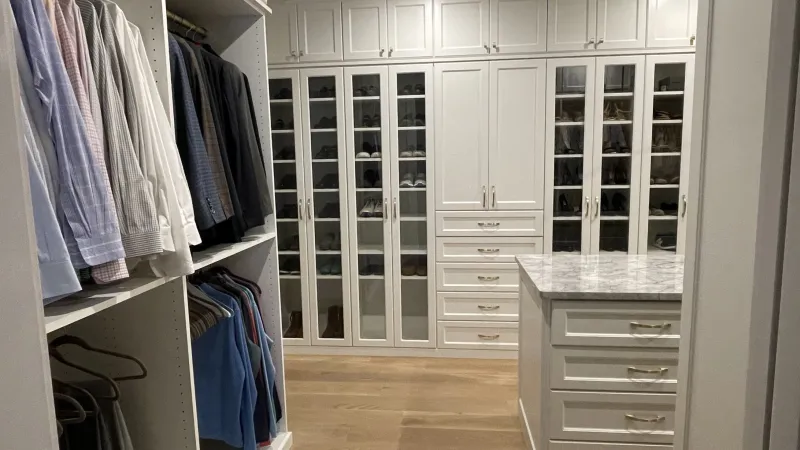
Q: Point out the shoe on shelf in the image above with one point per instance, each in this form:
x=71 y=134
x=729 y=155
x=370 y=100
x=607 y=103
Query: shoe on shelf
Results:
x=656 y=212
x=563 y=206
x=619 y=203
x=372 y=91
x=375 y=155
x=408 y=269
x=366 y=121
x=377 y=210
x=675 y=180
x=665 y=241
x=604 y=204
x=293 y=266
x=419 y=89
x=295 y=329
x=290 y=243
x=419 y=181
x=408 y=180
x=408 y=152
x=362 y=155
x=376 y=121
x=407 y=121
x=371 y=178
x=330 y=211
x=335 y=327
x=324 y=268
x=419 y=120
x=287 y=211
x=661 y=115
x=407 y=90
x=286 y=153
x=419 y=153
x=422 y=270
x=336 y=267
x=660 y=181
x=327 y=152
x=288 y=182
x=329 y=181
x=368 y=208
x=326 y=243
x=620 y=174
x=278 y=125
x=283 y=94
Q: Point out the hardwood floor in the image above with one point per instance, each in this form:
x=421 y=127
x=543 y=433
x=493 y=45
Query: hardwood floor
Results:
x=370 y=403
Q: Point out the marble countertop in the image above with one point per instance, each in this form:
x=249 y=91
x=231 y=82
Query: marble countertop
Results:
x=605 y=277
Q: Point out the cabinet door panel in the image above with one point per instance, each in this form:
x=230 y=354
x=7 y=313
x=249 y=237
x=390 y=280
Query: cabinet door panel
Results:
x=462 y=122
x=516 y=134
x=518 y=26
x=621 y=23
x=410 y=28
x=282 y=34
x=462 y=27
x=320 y=28
x=672 y=23
x=364 y=29
x=571 y=25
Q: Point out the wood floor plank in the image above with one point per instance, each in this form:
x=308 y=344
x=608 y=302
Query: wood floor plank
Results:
x=370 y=403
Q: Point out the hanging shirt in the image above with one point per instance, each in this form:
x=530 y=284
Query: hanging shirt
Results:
x=136 y=210
x=85 y=210
x=65 y=32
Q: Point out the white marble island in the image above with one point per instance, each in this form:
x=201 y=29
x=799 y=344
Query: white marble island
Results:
x=598 y=351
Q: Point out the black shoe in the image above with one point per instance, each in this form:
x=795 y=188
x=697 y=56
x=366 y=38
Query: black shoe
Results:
x=327 y=152
x=330 y=211
x=291 y=243
x=376 y=121
x=286 y=153
x=620 y=174
x=329 y=181
x=295 y=329
x=419 y=120
x=619 y=203
x=604 y=206
x=371 y=178
x=284 y=94
x=278 y=125
x=288 y=182
x=563 y=206
x=288 y=211
x=326 y=243
x=419 y=89
x=335 y=327
x=366 y=121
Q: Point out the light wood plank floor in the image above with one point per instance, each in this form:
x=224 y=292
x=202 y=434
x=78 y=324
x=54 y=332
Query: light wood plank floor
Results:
x=370 y=403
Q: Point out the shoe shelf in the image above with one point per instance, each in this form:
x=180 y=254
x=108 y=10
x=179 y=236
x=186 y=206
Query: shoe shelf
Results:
x=285 y=191
x=413 y=218
x=668 y=94
x=569 y=96
x=411 y=97
x=567 y=218
x=367 y=129
x=367 y=159
x=284 y=161
x=286 y=219
x=613 y=218
x=370 y=219
x=664 y=218
x=421 y=189
x=278 y=101
x=414 y=277
x=322 y=100
x=567 y=188
x=569 y=124
x=327 y=160
x=367 y=249
x=617 y=155
x=282 y=131
x=377 y=189
x=664 y=154
x=617 y=122
x=414 y=128
x=288 y=252
x=327 y=219
x=366 y=99
x=287 y=276
x=328 y=277
x=329 y=252
x=618 y=94
x=665 y=186
x=409 y=249
x=569 y=156
x=412 y=158
x=667 y=121
x=326 y=190
x=371 y=277
x=615 y=186
x=323 y=130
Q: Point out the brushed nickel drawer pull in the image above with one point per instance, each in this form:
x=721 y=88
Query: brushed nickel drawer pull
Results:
x=483 y=278
x=488 y=308
x=655 y=419
x=660 y=371
x=489 y=337
x=488 y=224
x=489 y=250
x=662 y=326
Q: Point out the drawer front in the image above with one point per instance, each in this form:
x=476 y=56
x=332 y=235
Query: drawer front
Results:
x=478 y=335
x=621 y=369
x=485 y=249
x=489 y=223
x=572 y=445
x=612 y=417
x=477 y=277
x=616 y=324
x=500 y=306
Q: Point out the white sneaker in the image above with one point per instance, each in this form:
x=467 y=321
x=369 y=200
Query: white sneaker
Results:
x=407 y=181
x=406 y=154
x=362 y=155
x=377 y=209
x=420 y=180
x=375 y=155
x=419 y=153
x=367 y=210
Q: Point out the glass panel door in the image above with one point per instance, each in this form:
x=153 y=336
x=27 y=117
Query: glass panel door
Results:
x=288 y=177
x=370 y=230
x=325 y=177
x=616 y=154
x=570 y=88
x=663 y=205
x=412 y=204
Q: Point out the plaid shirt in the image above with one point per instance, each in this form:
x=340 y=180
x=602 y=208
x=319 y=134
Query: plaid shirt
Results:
x=86 y=211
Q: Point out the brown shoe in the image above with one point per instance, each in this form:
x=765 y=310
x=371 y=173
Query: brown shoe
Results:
x=295 y=330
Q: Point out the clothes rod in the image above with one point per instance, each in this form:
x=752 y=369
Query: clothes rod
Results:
x=186 y=24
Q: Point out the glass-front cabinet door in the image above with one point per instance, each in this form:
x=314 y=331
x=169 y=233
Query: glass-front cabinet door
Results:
x=665 y=153
x=325 y=180
x=619 y=92
x=287 y=157
x=568 y=161
x=367 y=111
x=412 y=203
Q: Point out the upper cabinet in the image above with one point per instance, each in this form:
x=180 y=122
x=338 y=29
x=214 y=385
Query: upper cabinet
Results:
x=365 y=34
x=461 y=27
x=672 y=23
x=518 y=26
x=320 y=28
x=596 y=24
x=410 y=28
x=282 y=34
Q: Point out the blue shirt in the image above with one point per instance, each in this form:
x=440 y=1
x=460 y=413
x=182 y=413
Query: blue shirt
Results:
x=85 y=209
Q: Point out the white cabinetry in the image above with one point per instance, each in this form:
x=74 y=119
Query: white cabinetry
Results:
x=490 y=135
x=320 y=29
x=518 y=26
x=282 y=34
x=364 y=24
x=596 y=24
x=461 y=27
x=672 y=23
x=410 y=28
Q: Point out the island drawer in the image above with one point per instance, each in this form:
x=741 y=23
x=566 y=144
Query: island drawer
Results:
x=616 y=324
x=573 y=445
x=489 y=223
x=478 y=335
x=485 y=249
x=619 y=369
x=493 y=306
x=477 y=277
x=612 y=417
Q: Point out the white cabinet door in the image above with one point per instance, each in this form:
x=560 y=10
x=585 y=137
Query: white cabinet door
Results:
x=518 y=26
x=462 y=27
x=516 y=134
x=282 y=34
x=320 y=28
x=621 y=24
x=672 y=23
x=571 y=25
x=410 y=28
x=364 y=24
x=462 y=127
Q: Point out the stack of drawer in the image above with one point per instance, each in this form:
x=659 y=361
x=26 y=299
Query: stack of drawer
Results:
x=613 y=368
x=477 y=278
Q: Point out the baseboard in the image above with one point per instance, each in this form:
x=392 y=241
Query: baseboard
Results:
x=282 y=442
x=400 y=352
x=526 y=430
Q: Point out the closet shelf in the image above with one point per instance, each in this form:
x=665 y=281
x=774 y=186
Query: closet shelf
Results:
x=616 y=155
x=364 y=99
x=282 y=131
x=220 y=252
x=280 y=101
x=564 y=96
x=415 y=128
x=617 y=122
x=410 y=97
x=569 y=124
x=366 y=129
x=618 y=94
x=667 y=93
x=568 y=156
x=667 y=121
x=322 y=99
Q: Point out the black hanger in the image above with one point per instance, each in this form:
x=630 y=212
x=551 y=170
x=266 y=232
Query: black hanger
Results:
x=74 y=340
x=83 y=391
x=78 y=407
x=54 y=353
